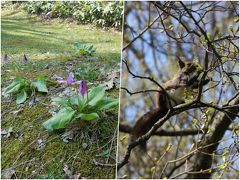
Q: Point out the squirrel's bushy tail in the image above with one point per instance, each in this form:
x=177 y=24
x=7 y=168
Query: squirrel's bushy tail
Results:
x=144 y=124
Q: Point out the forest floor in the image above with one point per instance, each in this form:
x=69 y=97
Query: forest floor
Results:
x=28 y=149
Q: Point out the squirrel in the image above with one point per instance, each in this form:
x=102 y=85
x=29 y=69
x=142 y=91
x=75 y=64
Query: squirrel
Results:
x=187 y=76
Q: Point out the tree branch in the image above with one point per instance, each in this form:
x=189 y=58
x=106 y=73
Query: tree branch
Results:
x=186 y=132
x=204 y=161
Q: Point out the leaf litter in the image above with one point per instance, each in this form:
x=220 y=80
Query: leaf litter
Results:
x=69 y=174
x=113 y=80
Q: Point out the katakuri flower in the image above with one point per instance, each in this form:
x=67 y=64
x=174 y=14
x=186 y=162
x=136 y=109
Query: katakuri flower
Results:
x=82 y=87
x=25 y=59
x=69 y=81
x=5 y=58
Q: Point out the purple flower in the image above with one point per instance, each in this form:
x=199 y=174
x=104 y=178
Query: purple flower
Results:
x=82 y=87
x=69 y=81
x=5 y=58
x=25 y=59
x=34 y=99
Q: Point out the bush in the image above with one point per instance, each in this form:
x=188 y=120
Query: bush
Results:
x=103 y=14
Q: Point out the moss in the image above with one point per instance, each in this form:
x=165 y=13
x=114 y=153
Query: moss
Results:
x=9 y=152
x=71 y=153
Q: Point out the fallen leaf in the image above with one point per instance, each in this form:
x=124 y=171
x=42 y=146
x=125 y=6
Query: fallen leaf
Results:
x=8 y=174
x=76 y=176
x=114 y=74
x=40 y=144
x=67 y=136
x=113 y=79
x=3 y=132
x=109 y=84
x=84 y=145
x=67 y=171
x=7 y=133
x=56 y=77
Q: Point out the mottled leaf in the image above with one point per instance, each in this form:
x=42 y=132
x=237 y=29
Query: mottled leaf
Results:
x=60 y=120
x=95 y=95
x=21 y=97
x=87 y=117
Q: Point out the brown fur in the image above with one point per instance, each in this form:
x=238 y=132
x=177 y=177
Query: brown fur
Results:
x=186 y=76
x=145 y=123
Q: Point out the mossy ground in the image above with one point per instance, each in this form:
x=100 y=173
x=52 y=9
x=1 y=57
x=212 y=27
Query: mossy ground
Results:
x=49 y=46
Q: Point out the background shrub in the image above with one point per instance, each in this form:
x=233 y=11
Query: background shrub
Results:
x=103 y=14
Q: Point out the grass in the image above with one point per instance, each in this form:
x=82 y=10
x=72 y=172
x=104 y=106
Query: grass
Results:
x=48 y=45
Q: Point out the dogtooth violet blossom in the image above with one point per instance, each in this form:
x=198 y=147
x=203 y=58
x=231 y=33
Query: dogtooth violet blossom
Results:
x=70 y=81
x=25 y=59
x=82 y=87
x=5 y=58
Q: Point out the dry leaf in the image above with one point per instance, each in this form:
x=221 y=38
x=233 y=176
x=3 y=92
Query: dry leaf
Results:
x=8 y=174
x=7 y=133
x=109 y=85
x=40 y=144
x=76 y=176
x=4 y=132
x=114 y=74
x=67 y=171
x=84 y=145
x=114 y=77
x=67 y=136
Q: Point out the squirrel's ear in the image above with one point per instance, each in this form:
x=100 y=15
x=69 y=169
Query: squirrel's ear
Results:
x=181 y=63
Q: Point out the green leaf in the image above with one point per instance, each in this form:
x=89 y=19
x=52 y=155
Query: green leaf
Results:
x=106 y=103
x=87 y=117
x=209 y=36
x=10 y=130
x=96 y=95
x=60 y=120
x=61 y=101
x=21 y=97
x=170 y=27
x=153 y=169
x=236 y=19
x=77 y=100
x=40 y=84
x=14 y=86
x=194 y=121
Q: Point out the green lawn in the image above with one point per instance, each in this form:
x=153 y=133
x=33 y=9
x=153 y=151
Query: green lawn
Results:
x=48 y=45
